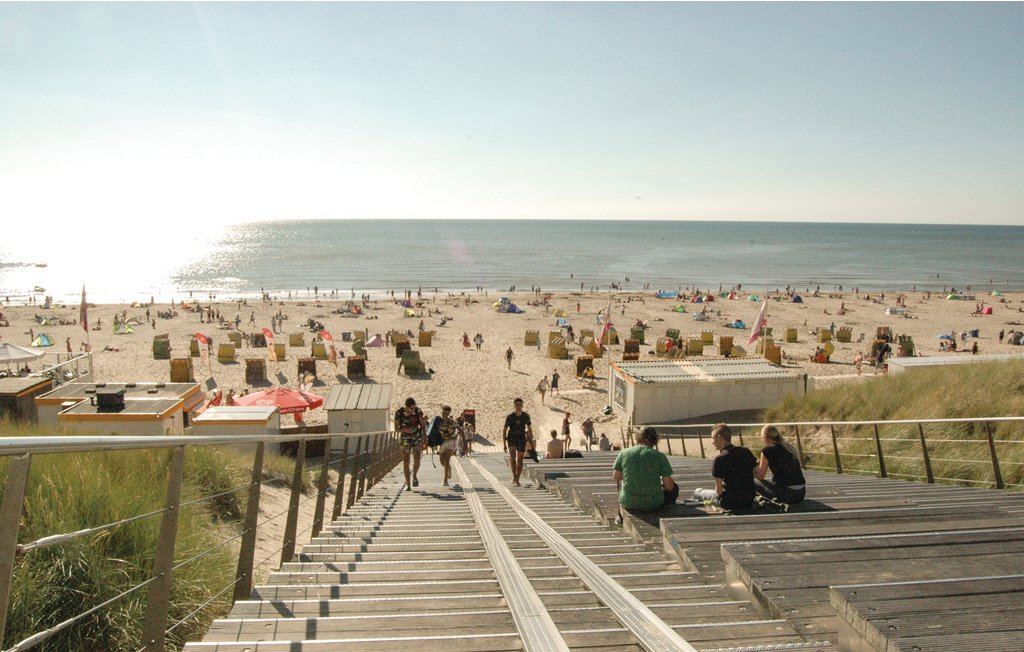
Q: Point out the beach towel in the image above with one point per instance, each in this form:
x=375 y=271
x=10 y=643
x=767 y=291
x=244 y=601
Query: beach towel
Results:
x=666 y=295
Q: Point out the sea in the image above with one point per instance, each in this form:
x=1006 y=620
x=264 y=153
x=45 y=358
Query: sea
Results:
x=291 y=258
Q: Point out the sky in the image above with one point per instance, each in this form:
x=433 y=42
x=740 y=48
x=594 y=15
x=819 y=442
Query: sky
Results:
x=119 y=115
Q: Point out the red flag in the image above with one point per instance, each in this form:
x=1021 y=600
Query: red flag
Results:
x=762 y=321
x=83 y=312
x=332 y=353
x=269 y=336
x=204 y=348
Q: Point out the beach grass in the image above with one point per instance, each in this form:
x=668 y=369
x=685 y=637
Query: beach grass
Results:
x=958 y=453
x=67 y=493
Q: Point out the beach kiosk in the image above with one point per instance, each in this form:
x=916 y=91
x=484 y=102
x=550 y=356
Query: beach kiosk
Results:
x=667 y=390
x=109 y=412
x=17 y=397
x=357 y=408
x=52 y=404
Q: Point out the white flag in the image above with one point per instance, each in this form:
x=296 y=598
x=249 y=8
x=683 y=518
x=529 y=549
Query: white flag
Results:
x=762 y=321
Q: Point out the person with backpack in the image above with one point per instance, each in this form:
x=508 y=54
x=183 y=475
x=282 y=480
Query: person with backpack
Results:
x=447 y=439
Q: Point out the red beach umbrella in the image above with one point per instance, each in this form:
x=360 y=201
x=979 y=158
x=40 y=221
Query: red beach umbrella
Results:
x=288 y=401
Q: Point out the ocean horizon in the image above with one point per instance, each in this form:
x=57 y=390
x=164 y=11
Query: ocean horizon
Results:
x=378 y=256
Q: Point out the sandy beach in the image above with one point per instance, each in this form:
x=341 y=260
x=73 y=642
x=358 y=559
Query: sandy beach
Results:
x=481 y=379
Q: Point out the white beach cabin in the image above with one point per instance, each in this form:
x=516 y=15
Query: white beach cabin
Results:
x=358 y=408
x=665 y=391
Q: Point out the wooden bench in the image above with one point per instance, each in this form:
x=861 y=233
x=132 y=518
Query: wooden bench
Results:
x=972 y=613
x=790 y=579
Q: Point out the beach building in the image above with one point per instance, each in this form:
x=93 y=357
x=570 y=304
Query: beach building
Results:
x=17 y=397
x=240 y=420
x=52 y=404
x=358 y=408
x=663 y=391
x=121 y=416
x=899 y=365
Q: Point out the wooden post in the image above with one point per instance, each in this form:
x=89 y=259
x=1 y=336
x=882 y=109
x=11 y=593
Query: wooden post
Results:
x=364 y=466
x=339 y=490
x=700 y=439
x=924 y=453
x=668 y=440
x=10 y=522
x=995 y=458
x=881 y=458
x=682 y=440
x=354 y=475
x=799 y=447
x=154 y=625
x=292 y=523
x=321 y=492
x=835 y=450
x=247 y=553
x=740 y=432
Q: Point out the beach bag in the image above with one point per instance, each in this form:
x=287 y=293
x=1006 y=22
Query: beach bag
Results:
x=434 y=433
x=572 y=452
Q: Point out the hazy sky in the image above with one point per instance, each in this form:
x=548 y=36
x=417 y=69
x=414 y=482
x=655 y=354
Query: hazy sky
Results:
x=726 y=111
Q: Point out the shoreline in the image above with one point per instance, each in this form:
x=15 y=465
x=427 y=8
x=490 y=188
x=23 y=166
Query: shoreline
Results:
x=25 y=298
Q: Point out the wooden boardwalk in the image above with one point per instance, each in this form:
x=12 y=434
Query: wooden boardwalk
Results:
x=923 y=542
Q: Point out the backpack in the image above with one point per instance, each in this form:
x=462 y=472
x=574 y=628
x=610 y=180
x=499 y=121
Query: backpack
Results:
x=572 y=452
x=434 y=433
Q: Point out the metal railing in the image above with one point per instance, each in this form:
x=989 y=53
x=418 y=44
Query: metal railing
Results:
x=362 y=461
x=958 y=451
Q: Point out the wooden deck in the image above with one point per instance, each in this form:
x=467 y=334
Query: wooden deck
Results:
x=867 y=563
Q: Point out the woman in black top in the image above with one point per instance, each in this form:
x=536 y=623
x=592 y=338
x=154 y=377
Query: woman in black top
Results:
x=787 y=483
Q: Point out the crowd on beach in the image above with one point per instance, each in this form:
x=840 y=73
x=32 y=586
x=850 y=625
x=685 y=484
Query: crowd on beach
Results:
x=486 y=362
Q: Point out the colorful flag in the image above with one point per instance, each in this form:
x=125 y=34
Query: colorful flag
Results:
x=269 y=336
x=83 y=312
x=332 y=353
x=762 y=321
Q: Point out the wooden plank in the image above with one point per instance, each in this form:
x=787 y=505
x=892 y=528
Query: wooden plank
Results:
x=982 y=613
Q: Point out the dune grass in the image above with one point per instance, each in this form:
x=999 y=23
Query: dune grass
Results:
x=958 y=453
x=67 y=493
